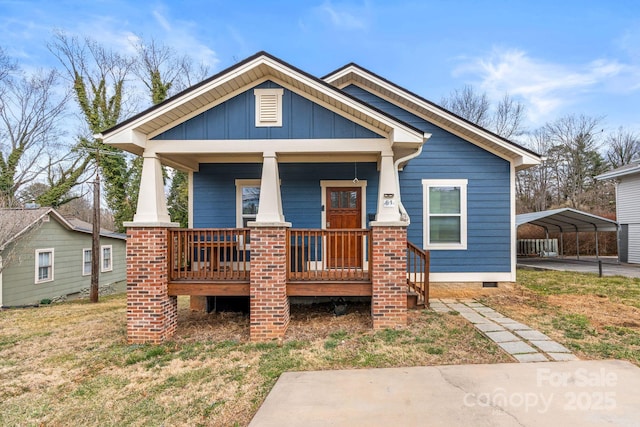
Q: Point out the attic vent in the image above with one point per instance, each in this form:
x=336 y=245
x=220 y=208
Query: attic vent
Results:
x=268 y=107
x=45 y=218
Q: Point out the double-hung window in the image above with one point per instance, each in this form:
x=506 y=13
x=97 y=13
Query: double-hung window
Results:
x=106 y=258
x=86 y=262
x=44 y=265
x=445 y=211
x=247 y=199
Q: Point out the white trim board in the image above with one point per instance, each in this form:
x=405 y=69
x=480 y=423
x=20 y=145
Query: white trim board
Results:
x=325 y=183
x=470 y=277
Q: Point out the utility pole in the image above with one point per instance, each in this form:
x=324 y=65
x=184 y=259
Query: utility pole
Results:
x=95 y=245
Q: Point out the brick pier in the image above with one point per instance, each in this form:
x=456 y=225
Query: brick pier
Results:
x=269 y=304
x=389 y=278
x=151 y=313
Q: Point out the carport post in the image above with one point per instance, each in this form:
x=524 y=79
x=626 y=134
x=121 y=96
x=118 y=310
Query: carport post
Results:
x=577 y=245
x=597 y=251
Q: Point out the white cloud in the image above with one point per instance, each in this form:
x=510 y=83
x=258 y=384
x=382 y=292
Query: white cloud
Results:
x=545 y=87
x=345 y=16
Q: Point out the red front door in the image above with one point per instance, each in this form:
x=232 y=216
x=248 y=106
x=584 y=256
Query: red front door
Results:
x=344 y=211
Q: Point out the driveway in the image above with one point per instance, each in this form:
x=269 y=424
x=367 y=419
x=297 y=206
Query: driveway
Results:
x=586 y=264
x=579 y=393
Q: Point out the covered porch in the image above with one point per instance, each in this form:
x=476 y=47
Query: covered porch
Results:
x=240 y=130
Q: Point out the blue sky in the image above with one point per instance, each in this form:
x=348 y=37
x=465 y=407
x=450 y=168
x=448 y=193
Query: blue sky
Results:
x=557 y=57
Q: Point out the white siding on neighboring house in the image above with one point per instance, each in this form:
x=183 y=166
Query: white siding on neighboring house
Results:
x=628 y=212
x=628 y=200
x=634 y=243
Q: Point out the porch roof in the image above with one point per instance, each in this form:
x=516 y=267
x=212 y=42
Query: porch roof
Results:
x=133 y=134
x=359 y=76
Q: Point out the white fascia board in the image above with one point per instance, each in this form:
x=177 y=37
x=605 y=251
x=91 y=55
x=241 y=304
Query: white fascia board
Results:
x=455 y=120
x=616 y=174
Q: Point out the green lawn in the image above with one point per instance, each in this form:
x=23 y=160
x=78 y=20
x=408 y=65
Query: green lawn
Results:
x=68 y=364
x=596 y=317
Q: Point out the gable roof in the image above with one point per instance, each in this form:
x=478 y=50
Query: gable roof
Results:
x=568 y=220
x=131 y=134
x=354 y=74
x=630 y=169
x=14 y=223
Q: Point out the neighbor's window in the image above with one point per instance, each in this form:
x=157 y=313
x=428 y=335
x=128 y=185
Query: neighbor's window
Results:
x=247 y=198
x=445 y=208
x=86 y=262
x=44 y=265
x=107 y=264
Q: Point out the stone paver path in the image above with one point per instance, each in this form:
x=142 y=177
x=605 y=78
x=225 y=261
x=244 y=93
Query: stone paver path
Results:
x=519 y=340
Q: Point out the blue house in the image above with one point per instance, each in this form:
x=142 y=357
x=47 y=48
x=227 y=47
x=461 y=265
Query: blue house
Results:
x=329 y=161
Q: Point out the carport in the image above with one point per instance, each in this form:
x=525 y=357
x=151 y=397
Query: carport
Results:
x=569 y=220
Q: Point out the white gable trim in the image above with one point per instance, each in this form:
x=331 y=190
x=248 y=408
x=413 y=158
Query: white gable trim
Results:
x=517 y=155
x=250 y=74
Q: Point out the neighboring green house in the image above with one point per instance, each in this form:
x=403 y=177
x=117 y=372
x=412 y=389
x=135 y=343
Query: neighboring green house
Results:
x=44 y=255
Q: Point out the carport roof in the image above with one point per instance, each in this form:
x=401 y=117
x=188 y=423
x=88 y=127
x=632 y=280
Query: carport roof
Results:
x=568 y=220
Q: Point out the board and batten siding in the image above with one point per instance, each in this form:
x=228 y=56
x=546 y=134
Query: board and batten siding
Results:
x=18 y=281
x=235 y=119
x=628 y=212
x=214 y=190
x=447 y=156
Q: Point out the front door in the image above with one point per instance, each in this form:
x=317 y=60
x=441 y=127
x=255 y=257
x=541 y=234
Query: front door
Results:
x=344 y=211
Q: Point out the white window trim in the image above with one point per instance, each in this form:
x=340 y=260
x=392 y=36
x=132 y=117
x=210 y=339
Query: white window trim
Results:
x=325 y=183
x=262 y=121
x=240 y=184
x=110 y=268
x=462 y=183
x=84 y=250
x=38 y=252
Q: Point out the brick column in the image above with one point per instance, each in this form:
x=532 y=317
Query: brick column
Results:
x=151 y=313
x=269 y=303
x=389 y=277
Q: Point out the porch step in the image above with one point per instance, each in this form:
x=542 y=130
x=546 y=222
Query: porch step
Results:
x=412 y=301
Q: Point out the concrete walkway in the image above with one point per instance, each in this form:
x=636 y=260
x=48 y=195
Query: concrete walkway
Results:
x=519 y=340
x=567 y=394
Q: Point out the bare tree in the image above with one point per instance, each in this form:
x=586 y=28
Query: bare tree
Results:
x=7 y=65
x=30 y=114
x=99 y=76
x=536 y=186
x=505 y=120
x=576 y=141
x=508 y=118
x=622 y=147
x=15 y=228
x=470 y=105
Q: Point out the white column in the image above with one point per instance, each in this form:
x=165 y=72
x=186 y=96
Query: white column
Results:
x=270 y=205
x=388 y=199
x=152 y=205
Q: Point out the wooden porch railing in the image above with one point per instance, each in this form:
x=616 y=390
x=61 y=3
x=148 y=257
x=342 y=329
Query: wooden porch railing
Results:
x=329 y=255
x=205 y=254
x=418 y=272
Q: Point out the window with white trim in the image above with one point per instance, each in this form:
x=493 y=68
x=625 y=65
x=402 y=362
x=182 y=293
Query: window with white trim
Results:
x=106 y=258
x=445 y=213
x=247 y=199
x=86 y=262
x=44 y=265
x=268 y=107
